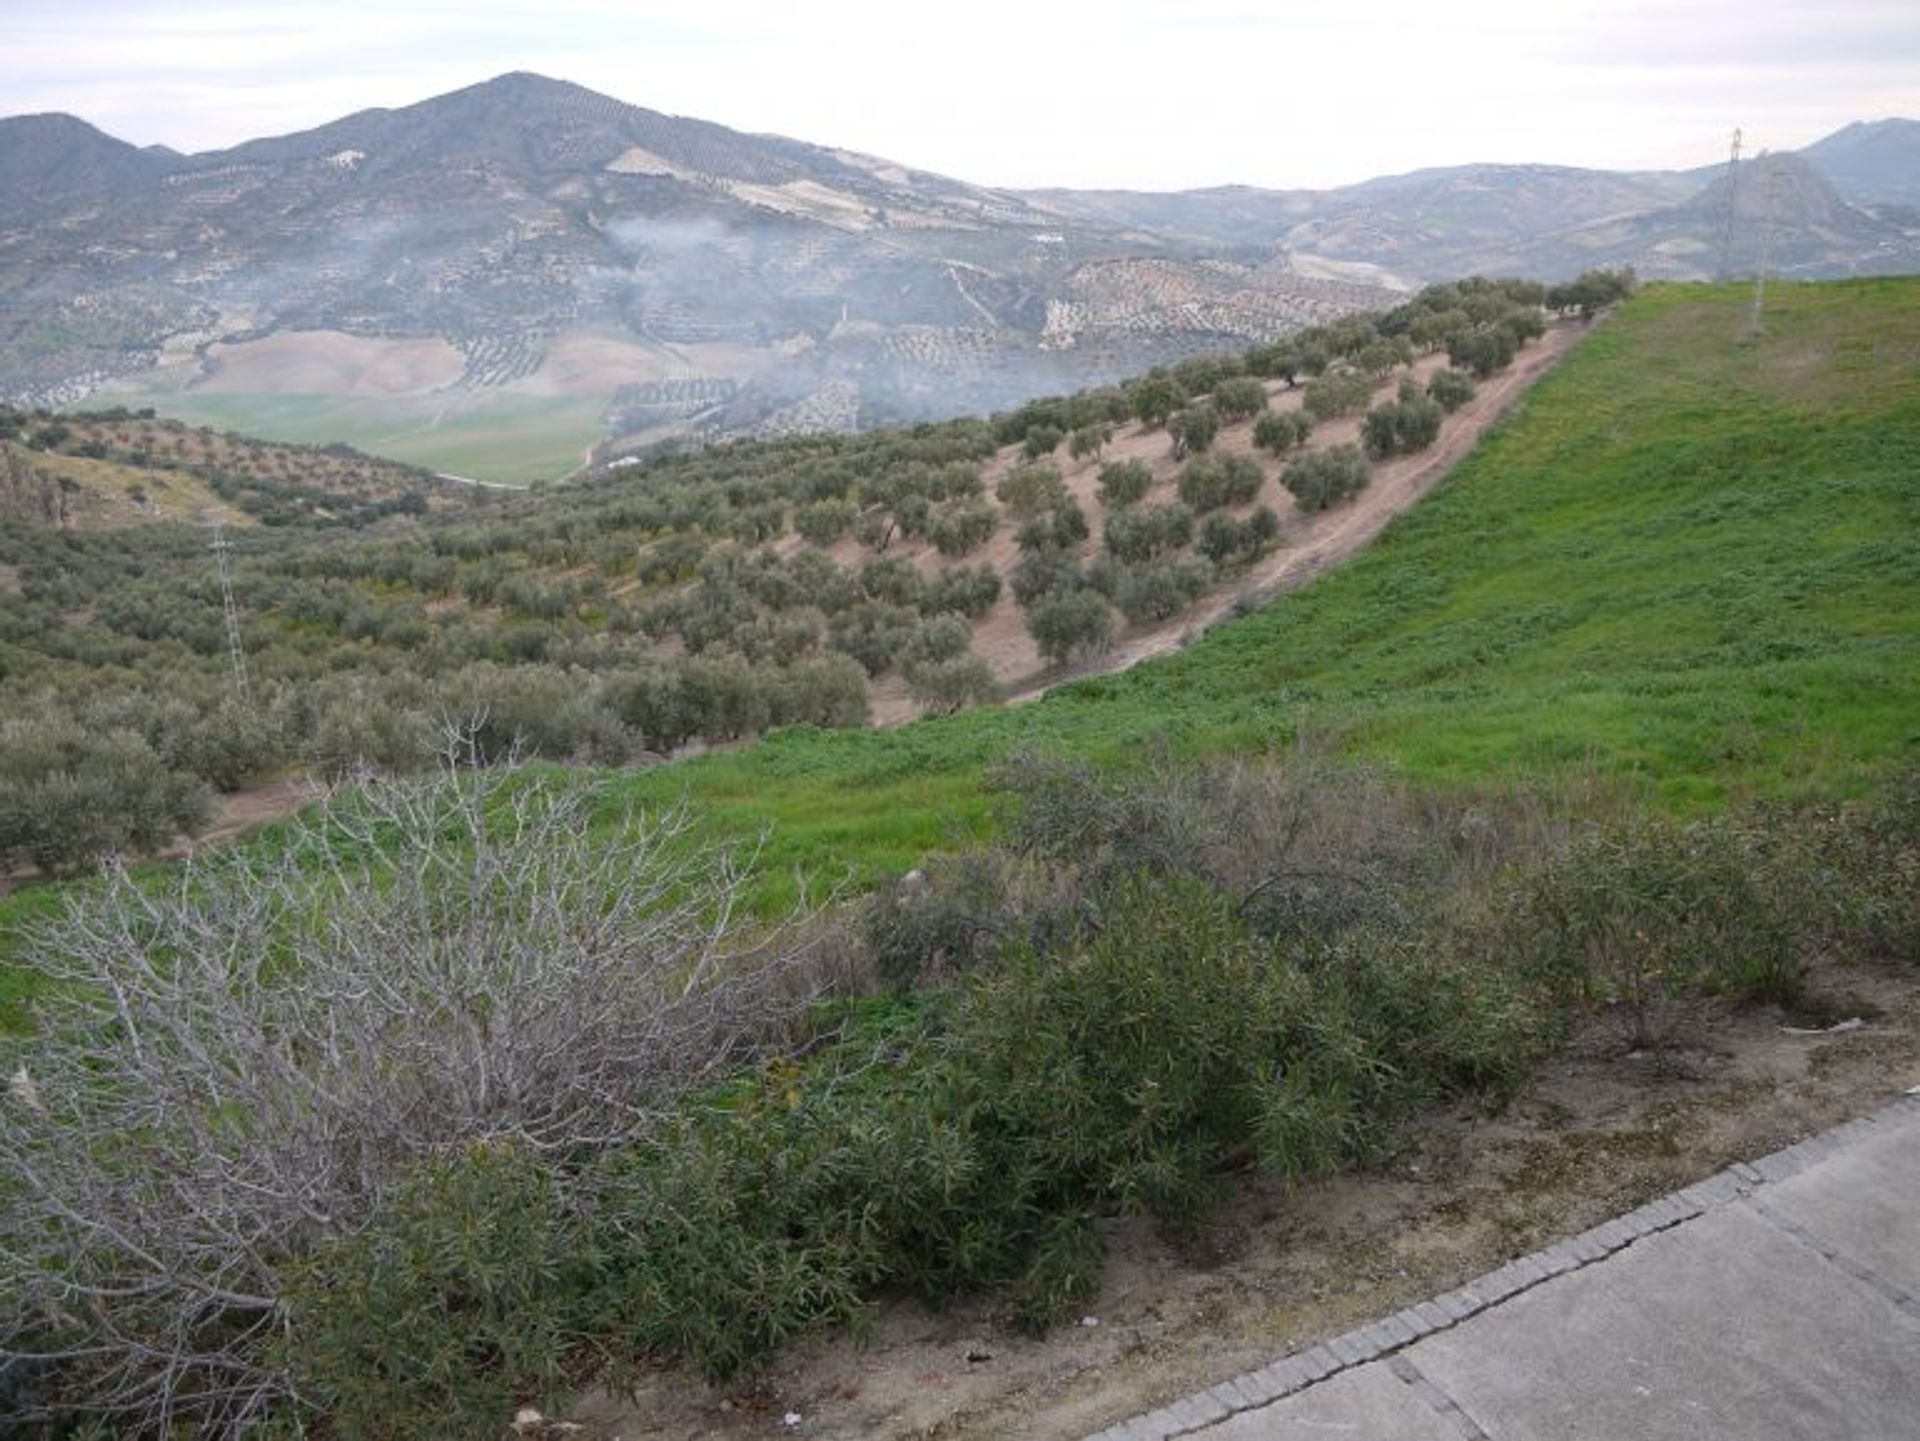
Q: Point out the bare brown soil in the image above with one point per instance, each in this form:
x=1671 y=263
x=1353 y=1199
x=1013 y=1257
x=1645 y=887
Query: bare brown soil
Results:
x=1598 y=1131
x=330 y=362
x=241 y=811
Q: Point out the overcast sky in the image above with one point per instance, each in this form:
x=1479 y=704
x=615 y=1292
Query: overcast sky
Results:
x=1136 y=93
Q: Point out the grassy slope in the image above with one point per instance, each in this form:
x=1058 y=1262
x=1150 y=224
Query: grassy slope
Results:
x=1686 y=559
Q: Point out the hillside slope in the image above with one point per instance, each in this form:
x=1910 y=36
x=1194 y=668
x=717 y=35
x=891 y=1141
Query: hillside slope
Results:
x=1685 y=560
x=487 y=279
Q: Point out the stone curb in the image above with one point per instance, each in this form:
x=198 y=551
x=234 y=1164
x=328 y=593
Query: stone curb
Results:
x=1384 y=1338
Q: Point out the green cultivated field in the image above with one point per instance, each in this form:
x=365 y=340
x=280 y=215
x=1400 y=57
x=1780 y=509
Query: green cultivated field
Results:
x=1687 y=560
x=508 y=438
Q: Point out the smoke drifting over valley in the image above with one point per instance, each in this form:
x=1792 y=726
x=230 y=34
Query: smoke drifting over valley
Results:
x=529 y=253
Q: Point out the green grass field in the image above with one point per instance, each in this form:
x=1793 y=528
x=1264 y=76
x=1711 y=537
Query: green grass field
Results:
x=1688 y=561
x=514 y=439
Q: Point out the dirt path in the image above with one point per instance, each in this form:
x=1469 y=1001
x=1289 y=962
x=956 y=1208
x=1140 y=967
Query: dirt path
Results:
x=1314 y=544
x=1599 y=1131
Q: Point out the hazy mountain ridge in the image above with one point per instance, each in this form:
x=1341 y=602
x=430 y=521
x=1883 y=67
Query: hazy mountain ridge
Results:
x=529 y=245
x=514 y=217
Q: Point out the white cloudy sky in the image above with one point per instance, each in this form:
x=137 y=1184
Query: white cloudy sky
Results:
x=1139 y=93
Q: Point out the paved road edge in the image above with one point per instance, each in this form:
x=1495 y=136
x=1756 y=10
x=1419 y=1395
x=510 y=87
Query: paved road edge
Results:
x=1381 y=1339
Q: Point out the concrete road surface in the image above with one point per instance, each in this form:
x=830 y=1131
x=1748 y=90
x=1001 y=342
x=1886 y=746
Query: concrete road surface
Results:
x=1775 y=1300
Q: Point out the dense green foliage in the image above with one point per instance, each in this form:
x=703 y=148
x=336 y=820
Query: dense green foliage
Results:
x=1326 y=477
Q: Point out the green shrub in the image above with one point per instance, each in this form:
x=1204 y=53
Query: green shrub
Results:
x=1281 y=430
x=967 y=590
x=1124 y=483
x=943 y=919
x=68 y=797
x=963 y=528
x=459 y=1301
x=1089 y=440
x=945 y=686
x=873 y=633
x=1450 y=389
x=1642 y=912
x=1029 y=489
x=1040 y=575
x=1402 y=426
x=1070 y=623
x=1239 y=398
x=1484 y=349
x=1061 y=528
x=1193 y=429
x=1159 y=590
x=1226 y=541
x=1042 y=440
x=1209 y=483
x=1146 y=532
x=1335 y=395
x=825 y=521
x=1323 y=478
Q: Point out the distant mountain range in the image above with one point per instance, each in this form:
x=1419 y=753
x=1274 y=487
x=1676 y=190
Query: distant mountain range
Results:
x=527 y=247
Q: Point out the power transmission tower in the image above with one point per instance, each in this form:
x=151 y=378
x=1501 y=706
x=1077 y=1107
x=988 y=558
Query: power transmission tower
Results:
x=1769 y=196
x=1726 y=228
x=235 y=651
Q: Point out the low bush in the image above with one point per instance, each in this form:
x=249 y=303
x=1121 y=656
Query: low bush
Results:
x=1032 y=488
x=1160 y=590
x=1323 y=478
x=968 y=590
x=1644 y=911
x=1450 y=389
x=1146 y=532
x=1210 y=483
x=1193 y=429
x=1282 y=430
x=962 y=529
x=1124 y=482
x=1229 y=542
x=1402 y=426
x=1070 y=623
x=1336 y=394
x=467 y=969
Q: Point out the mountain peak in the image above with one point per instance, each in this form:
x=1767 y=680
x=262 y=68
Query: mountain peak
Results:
x=56 y=158
x=1872 y=161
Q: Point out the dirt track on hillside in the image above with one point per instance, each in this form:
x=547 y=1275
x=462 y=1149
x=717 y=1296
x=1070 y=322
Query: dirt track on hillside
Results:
x=1309 y=544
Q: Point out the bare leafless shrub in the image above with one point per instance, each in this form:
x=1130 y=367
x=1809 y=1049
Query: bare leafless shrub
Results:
x=241 y=1059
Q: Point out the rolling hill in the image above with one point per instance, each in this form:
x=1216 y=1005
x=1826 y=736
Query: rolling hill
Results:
x=1686 y=562
x=518 y=258
x=497 y=281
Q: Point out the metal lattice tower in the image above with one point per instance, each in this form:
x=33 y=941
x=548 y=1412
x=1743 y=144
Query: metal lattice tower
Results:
x=1726 y=228
x=1770 y=196
x=235 y=651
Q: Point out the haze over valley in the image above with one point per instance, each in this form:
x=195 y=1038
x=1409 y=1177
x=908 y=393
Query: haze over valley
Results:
x=500 y=281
